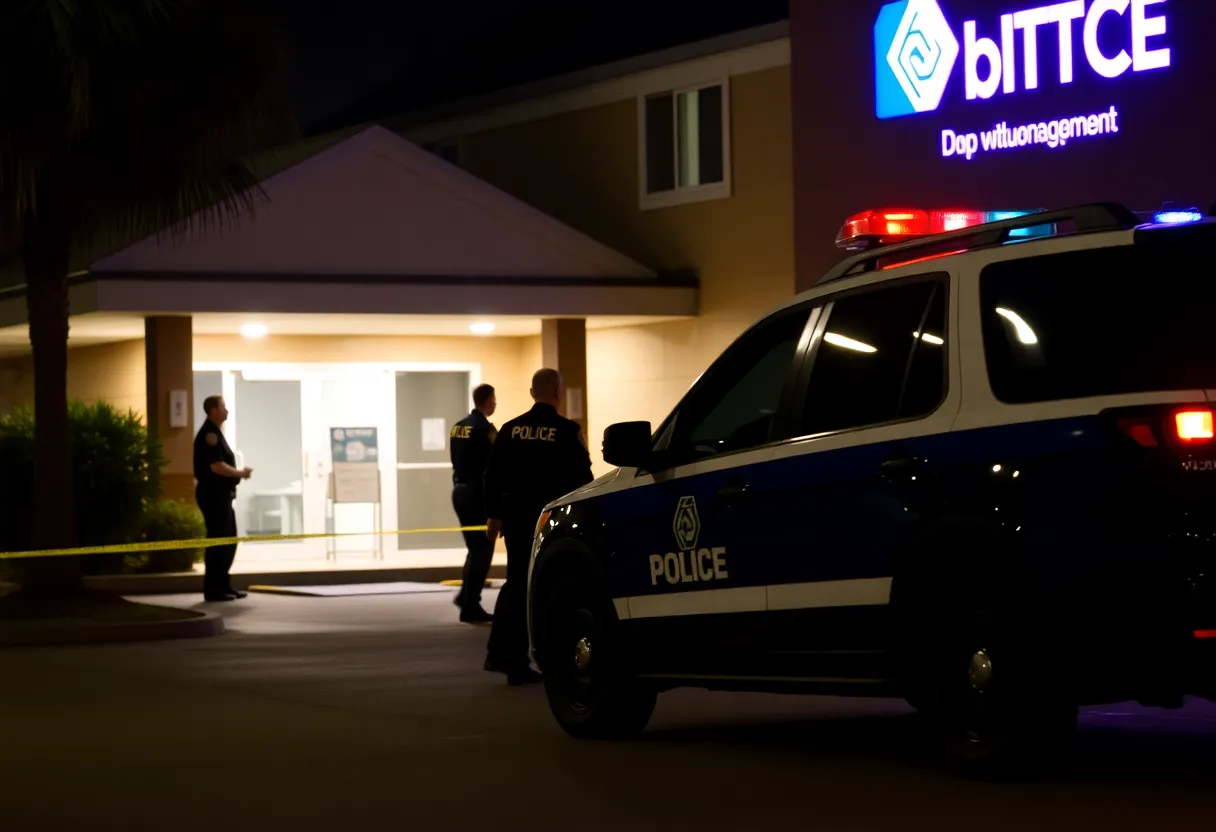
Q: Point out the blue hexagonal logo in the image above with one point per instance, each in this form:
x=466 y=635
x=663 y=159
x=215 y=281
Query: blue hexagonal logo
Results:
x=914 y=55
x=687 y=524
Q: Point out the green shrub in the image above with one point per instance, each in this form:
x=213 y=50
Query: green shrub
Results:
x=17 y=484
x=169 y=520
x=116 y=472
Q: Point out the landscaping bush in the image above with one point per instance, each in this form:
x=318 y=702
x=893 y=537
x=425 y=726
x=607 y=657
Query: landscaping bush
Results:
x=116 y=473
x=169 y=520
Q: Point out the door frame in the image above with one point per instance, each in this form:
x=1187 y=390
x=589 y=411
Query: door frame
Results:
x=310 y=374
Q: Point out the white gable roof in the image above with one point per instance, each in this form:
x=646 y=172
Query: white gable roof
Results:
x=375 y=204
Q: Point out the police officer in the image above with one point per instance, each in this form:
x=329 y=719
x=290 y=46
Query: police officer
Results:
x=537 y=457
x=470 y=442
x=216 y=476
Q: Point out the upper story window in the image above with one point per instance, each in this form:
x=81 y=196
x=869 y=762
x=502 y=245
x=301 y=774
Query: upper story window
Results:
x=685 y=146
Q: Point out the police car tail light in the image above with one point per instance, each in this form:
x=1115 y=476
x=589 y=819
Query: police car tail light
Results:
x=1140 y=430
x=1156 y=426
x=1194 y=426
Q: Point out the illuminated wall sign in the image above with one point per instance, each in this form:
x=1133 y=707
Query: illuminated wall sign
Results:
x=917 y=51
x=1053 y=133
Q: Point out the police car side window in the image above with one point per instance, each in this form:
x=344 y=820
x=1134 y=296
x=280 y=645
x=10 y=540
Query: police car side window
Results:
x=735 y=405
x=881 y=357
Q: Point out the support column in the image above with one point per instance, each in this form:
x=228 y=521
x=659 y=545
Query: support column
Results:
x=564 y=348
x=169 y=350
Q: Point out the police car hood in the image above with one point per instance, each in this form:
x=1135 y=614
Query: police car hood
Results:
x=586 y=489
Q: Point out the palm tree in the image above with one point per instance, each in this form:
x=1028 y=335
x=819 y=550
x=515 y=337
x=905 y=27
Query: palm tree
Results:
x=118 y=119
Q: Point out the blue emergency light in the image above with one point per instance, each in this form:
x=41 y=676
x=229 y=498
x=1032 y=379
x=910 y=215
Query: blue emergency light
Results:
x=1177 y=217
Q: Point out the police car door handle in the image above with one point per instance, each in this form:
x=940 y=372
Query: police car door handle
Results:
x=899 y=463
x=733 y=488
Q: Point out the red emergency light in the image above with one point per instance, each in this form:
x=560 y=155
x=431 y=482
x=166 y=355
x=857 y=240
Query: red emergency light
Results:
x=884 y=227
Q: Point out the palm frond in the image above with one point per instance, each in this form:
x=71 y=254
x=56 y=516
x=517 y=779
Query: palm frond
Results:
x=136 y=111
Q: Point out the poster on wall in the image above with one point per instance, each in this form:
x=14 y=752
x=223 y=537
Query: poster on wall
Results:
x=434 y=434
x=356 y=465
x=355 y=445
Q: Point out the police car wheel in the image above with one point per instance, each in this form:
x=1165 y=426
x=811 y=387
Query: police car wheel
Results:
x=590 y=692
x=995 y=704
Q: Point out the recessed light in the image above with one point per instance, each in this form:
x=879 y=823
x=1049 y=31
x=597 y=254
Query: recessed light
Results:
x=254 y=330
x=481 y=328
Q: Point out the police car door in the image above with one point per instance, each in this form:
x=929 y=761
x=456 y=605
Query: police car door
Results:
x=695 y=570
x=878 y=390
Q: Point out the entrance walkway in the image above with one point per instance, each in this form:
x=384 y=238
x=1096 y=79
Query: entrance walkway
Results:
x=262 y=558
x=260 y=564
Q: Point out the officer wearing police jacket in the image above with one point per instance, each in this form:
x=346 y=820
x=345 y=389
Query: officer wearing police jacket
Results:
x=470 y=442
x=216 y=475
x=536 y=458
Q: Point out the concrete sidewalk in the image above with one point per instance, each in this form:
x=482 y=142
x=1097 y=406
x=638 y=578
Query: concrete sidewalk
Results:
x=263 y=565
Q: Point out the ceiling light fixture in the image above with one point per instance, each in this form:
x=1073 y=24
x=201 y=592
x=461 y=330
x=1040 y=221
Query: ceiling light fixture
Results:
x=254 y=330
x=481 y=328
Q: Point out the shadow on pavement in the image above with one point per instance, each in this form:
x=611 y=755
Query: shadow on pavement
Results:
x=895 y=737
x=1143 y=747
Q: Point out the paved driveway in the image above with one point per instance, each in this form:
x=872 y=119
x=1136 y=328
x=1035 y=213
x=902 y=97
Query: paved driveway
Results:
x=373 y=713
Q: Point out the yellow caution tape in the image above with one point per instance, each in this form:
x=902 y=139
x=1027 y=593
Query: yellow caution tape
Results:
x=204 y=542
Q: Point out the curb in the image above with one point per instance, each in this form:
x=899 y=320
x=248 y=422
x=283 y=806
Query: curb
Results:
x=192 y=582
x=202 y=626
x=491 y=583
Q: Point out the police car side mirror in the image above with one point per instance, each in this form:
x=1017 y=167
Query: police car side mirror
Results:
x=627 y=444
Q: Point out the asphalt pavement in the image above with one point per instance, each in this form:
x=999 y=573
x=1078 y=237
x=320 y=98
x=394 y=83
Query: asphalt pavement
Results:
x=374 y=713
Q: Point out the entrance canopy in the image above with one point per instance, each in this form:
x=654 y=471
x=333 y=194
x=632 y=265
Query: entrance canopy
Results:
x=371 y=225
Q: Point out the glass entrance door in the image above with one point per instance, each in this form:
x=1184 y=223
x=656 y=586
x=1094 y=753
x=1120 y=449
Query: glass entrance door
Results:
x=350 y=396
x=265 y=431
x=428 y=403
x=281 y=422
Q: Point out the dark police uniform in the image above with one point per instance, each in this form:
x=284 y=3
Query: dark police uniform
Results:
x=537 y=457
x=214 y=494
x=470 y=442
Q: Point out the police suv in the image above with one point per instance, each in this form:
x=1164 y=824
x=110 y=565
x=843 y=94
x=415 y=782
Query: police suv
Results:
x=974 y=467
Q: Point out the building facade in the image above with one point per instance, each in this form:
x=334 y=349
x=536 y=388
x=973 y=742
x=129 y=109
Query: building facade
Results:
x=623 y=224
x=680 y=160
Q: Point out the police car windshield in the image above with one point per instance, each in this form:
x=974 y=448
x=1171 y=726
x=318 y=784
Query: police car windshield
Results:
x=1100 y=322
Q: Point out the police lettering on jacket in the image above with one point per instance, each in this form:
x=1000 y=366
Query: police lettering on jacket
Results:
x=469 y=443
x=538 y=434
x=537 y=458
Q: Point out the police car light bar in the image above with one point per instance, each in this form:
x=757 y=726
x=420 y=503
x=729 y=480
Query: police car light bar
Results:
x=1177 y=217
x=868 y=229
x=863 y=232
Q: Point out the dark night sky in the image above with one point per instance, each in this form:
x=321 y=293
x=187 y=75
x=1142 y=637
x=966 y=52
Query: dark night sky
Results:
x=359 y=59
x=345 y=50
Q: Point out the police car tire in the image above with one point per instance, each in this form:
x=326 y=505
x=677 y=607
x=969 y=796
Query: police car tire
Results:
x=1025 y=715
x=1018 y=726
x=616 y=705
